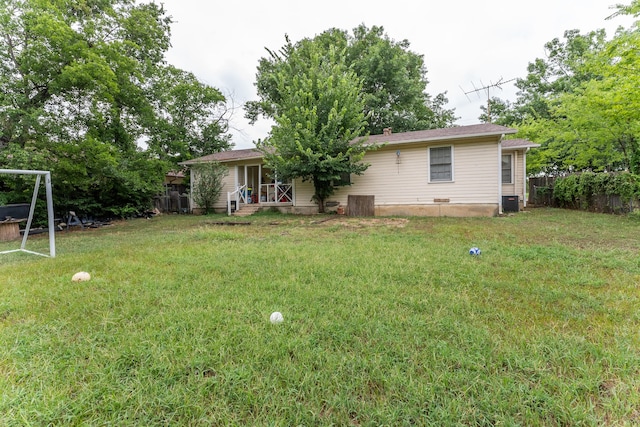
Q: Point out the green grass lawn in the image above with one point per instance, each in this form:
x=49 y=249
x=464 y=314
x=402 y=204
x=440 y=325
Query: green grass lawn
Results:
x=387 y=322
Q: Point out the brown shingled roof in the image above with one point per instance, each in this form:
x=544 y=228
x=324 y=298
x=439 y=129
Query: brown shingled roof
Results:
x=471 y=131
x=485 y=129
x=226 y=156
x=518 y=143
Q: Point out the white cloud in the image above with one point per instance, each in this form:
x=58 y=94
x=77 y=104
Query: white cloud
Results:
x=464 y=42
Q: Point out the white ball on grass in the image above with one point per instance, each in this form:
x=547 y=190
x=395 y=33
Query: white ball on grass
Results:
x=276 y=317
x=474 y=251
x=81 y=276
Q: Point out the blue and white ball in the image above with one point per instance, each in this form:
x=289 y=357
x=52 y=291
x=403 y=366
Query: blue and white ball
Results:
x=474 y=251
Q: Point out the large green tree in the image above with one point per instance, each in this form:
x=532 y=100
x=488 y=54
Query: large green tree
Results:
x=500 y=112
x=394 y=83
x=561 y=71
x=581 y=102
x=190 y=118
x=597 y=125
x=393 y=80
x=77 y=80
x=66 y=62
x=319 y=117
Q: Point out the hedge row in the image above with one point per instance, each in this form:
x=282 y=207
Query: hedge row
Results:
x=599 y=192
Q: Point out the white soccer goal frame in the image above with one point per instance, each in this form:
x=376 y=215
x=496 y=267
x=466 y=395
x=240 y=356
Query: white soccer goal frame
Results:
x=52 y=232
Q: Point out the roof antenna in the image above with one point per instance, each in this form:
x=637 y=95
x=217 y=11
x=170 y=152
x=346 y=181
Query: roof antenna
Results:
x=487 y=88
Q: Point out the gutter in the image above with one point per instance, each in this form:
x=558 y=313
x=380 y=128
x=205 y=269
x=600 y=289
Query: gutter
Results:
x=239 y=159
x=443 y=138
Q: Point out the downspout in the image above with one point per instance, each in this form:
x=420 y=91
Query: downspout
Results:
x=500 y=212
x=515 y=161
x=524 y=177
x=192 y=184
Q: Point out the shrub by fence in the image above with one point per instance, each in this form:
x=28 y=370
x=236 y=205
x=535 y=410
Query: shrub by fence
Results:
x=596 y=192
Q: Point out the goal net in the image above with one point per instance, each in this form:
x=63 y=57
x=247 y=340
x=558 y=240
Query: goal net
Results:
x=47 y=183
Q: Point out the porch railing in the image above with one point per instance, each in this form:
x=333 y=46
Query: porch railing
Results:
x=277 y=193
x=271 y=193
x=240 y=194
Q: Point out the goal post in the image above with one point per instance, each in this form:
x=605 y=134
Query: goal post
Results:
x=34 y=198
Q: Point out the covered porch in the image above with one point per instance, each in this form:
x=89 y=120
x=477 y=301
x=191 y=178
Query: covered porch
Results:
x=258 y=186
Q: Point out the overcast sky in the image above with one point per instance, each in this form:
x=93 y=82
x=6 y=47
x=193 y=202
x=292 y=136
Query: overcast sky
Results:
x=466 y=44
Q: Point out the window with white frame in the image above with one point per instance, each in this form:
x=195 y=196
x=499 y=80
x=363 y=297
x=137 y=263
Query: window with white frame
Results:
x=441 y=164
x=507 y=168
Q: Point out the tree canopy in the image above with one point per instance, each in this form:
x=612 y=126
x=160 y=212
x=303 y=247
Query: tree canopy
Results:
x=393 y=80
x=394 y=83
x=319 y=117
x=190 y=118
x=80 y=91
x=582 y=102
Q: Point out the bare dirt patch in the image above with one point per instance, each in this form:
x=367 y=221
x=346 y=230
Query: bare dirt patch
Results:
x=357 y=222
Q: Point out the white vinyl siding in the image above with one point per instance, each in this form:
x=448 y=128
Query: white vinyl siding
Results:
x=304 y=192
x=404 y=179
x=516 y=187
x=228 y=185
x=400 y=175
x=441 y=164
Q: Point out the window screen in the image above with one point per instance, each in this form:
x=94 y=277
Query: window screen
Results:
x=440 y=164
x=506 y=169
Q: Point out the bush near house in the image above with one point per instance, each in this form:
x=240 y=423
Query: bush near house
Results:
x=616 y=192
x=209 y=178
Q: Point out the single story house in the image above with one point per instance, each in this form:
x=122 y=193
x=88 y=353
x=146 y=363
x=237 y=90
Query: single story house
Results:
x=458 y=171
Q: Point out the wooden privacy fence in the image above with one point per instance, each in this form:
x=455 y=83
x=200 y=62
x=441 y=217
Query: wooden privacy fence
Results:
x=541 y=193
x=172 y=202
